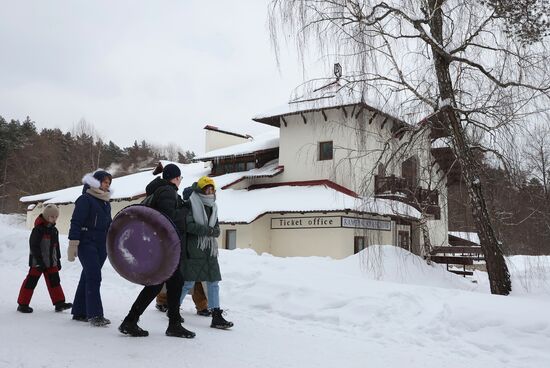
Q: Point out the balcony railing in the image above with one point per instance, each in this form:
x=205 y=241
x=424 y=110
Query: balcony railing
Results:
x=401 y=189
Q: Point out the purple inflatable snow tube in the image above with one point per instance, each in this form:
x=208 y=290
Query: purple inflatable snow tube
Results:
x=143 y=245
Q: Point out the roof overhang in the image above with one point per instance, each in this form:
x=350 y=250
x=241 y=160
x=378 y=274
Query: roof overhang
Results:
x=357 y=108
x=218 y=130
x=279 y=169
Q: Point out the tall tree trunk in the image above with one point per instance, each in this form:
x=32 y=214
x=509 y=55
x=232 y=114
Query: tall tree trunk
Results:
x=544 y=171
x=497 y=270
x=499 y=277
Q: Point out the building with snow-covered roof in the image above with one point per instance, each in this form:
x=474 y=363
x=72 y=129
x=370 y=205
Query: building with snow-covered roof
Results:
x=333 y=139
x=245 y=156
x=126 y=190
x=331 y=178
x=335 y=134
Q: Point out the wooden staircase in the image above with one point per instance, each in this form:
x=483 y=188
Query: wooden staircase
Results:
x=460 y=252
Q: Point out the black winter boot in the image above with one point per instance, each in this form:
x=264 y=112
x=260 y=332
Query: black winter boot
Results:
x=61 y=306
x=175 y=329
x=181 y=319
x=131 y=328
x=204 y=312
x=218 y=321
x=24 y=308
x=99 y=321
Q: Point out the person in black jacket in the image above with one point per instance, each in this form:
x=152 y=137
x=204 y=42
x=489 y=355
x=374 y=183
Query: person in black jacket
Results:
x=165 y=198
x=44 y=258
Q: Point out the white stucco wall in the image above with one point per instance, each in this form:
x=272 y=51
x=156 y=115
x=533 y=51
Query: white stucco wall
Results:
x=335 y=242
x=255 y=235
x=215 y=140
x=356 y=155
x=439 y=229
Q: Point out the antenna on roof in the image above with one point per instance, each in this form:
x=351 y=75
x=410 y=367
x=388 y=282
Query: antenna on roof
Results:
x=337 y=71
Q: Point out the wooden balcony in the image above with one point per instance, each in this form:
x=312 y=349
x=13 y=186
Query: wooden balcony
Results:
x=400 y=189
x=447 y=162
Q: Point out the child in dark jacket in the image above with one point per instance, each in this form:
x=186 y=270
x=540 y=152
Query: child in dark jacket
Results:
x=44 y=259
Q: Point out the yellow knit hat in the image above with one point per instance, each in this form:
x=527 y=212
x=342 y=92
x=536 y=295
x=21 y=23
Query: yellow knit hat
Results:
x=204 y=181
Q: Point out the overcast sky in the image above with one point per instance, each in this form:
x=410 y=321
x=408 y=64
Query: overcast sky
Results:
x=139 y=69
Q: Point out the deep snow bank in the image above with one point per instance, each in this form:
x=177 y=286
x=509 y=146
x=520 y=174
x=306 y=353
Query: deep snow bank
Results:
x=381 y=308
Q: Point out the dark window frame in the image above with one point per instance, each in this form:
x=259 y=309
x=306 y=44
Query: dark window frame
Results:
x=243 y=163
x=227 y=238
x=321 y=151
x=403 y=234
x=356 y=241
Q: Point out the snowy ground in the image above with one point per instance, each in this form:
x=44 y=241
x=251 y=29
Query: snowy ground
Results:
x=385 y=308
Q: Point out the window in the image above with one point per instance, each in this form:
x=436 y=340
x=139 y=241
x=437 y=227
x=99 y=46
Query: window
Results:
x=359 y=243
x=409 y=169
x=403 y=239
x=240 y=166
x=231 y=164
x=325 y=151
x=228 y=167
x=230 y=239
x=217 y=169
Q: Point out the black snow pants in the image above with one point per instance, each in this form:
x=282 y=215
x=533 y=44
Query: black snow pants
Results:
x=174 y=286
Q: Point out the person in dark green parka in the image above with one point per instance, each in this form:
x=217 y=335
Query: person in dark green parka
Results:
x=200 y=262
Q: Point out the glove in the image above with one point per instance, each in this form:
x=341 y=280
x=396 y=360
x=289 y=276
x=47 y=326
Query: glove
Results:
x=212 y=231
x=72 y=251
x=58 y=266
x=41 y=267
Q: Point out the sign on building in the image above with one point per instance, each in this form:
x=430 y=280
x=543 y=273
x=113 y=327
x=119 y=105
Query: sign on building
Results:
x=363 y=223
x=305 y=222
x=329 y=222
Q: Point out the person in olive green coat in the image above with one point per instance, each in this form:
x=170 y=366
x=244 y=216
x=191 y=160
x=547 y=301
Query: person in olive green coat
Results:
x=200 y=261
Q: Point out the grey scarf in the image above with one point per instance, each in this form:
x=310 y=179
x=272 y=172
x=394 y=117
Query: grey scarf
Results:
x=99 y=194
x=198 y=201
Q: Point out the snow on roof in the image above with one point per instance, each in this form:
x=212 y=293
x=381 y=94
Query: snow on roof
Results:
x=133 y=185
x=262 y=142
x=331 y=96
x=270 y=169
x=472 y=237
x=389 y=207
x=72 y=192
x=124 y=187
x=245 y=206
x=315 y=101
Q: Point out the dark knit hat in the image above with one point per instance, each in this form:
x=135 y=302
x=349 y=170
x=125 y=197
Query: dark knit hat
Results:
x=170 y=172
x=100 y=175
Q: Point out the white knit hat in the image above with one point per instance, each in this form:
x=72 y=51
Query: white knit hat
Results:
x=50 y=210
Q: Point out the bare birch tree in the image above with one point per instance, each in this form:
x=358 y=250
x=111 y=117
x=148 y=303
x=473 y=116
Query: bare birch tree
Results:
x=486 y=59
x=89 y=136
x=537 y=154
